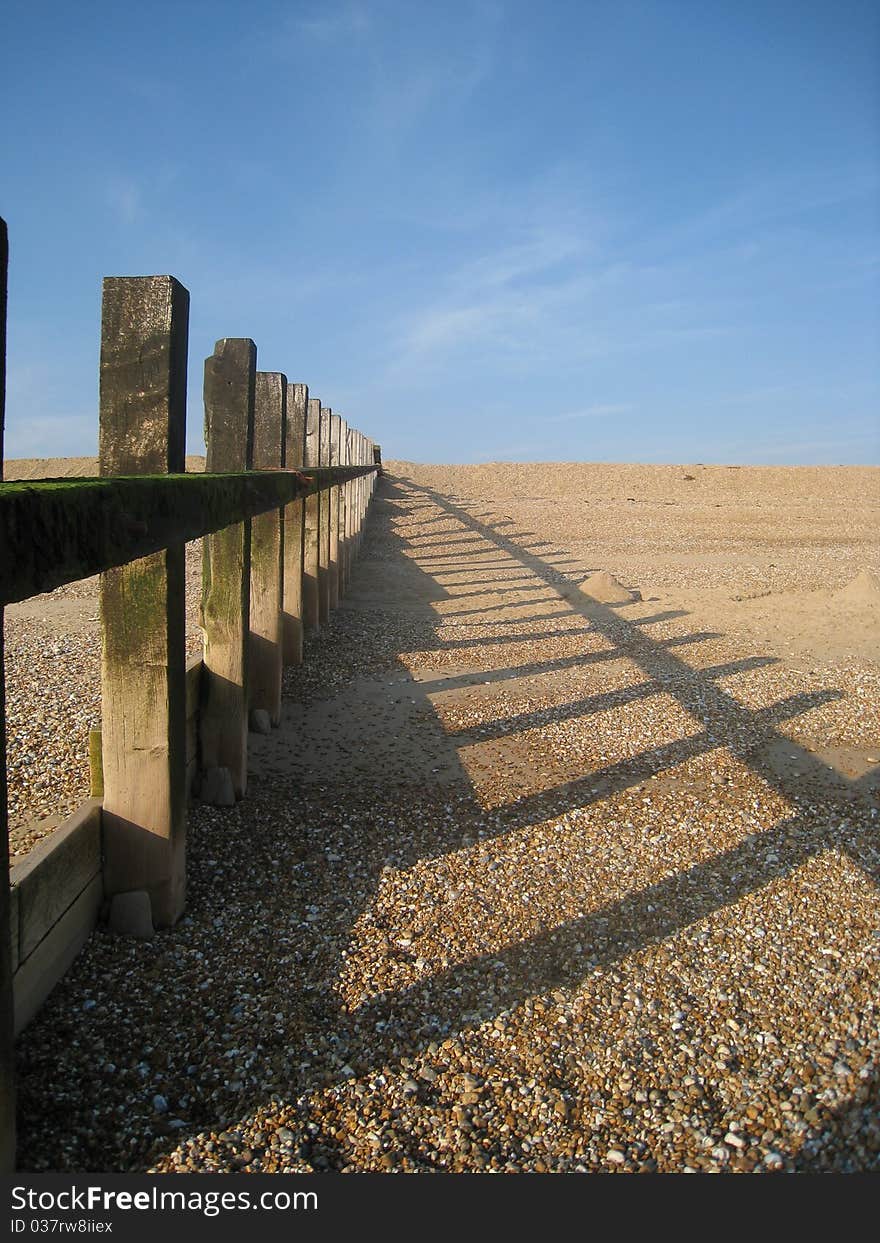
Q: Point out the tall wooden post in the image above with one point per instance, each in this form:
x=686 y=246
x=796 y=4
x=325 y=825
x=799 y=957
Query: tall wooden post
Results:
x=230 y=382
x=351 y=492
x=333 y=494
x=324 y=542
x=144 y=334
x=362 y=490
x=355 y=492
x=294 y=529
x=343 y=507
x=312 y=533
x=267 y=558
x=7 y=1007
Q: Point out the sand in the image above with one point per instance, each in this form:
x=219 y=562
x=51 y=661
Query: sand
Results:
x=526 y=880
x=782 y=562
x=68 y=467
x=785 y=557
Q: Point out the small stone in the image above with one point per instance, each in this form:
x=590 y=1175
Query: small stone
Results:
x=217 y=788
x=131 y=914
x=615 y=1156
x=160 y=1104
x=259 y=721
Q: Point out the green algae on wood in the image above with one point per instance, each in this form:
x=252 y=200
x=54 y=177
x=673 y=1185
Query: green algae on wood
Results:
x=56 y=531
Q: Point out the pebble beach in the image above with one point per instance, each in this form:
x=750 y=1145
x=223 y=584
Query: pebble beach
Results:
x=565 y=857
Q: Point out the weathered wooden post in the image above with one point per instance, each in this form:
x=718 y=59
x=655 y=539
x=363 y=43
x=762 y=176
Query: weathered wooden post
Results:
x=350 y=504
x=230 y=382
x=355 y=493
x=312 y=533
x=333 y=494
x=343 y=497
x=144 y=334
x=362 y=505
x=7 y=1005
x=324 y=543
x=294 y=529
x=267 y=564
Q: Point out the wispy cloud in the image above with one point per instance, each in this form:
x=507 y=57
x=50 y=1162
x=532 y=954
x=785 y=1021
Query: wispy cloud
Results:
x=125 y=199
x=329 y=24
x=768 y=204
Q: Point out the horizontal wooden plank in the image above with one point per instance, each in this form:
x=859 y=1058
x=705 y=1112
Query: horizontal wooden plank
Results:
x=40 y=972
x=56 y=531
x=54 y=874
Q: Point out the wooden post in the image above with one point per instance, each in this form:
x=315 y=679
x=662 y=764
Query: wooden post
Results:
x=362 y=505
x=371 y=461
x=7 y=1009
x=351 y=492
x=312 y=532
x=355 y=493
x=324 y=543
x=267 y=563
x=333 y=494
x=144 y=334
x=294 y=529
x=230 y=381
x=343 y=510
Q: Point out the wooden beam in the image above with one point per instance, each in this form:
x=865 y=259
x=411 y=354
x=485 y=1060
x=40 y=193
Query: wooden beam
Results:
x=56 y=531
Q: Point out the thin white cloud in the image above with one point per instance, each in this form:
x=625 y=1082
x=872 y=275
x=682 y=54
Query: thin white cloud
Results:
x=125 y=199
x=331 y=25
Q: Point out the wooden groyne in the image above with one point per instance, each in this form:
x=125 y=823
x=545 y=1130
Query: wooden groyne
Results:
x=281 y=508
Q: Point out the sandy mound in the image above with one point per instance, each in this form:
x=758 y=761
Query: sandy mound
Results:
x=864 y=589
x=605 y=588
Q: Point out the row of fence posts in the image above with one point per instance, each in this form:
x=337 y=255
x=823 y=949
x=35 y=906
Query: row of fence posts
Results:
x=267 y=582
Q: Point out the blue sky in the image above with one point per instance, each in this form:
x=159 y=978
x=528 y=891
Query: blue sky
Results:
x=631 y=230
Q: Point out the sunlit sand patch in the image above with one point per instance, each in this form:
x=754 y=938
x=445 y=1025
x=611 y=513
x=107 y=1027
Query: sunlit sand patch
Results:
x=594 y=878
x=541 y=758
x=550 y=691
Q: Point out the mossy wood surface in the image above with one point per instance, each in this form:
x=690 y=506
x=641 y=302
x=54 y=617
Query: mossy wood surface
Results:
x=55 y=531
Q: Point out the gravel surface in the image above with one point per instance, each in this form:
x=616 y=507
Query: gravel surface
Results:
x=525 y=882
x=52 y=659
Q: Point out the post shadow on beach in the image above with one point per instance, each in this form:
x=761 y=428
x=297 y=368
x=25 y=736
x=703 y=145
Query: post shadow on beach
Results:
x=386 y=790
